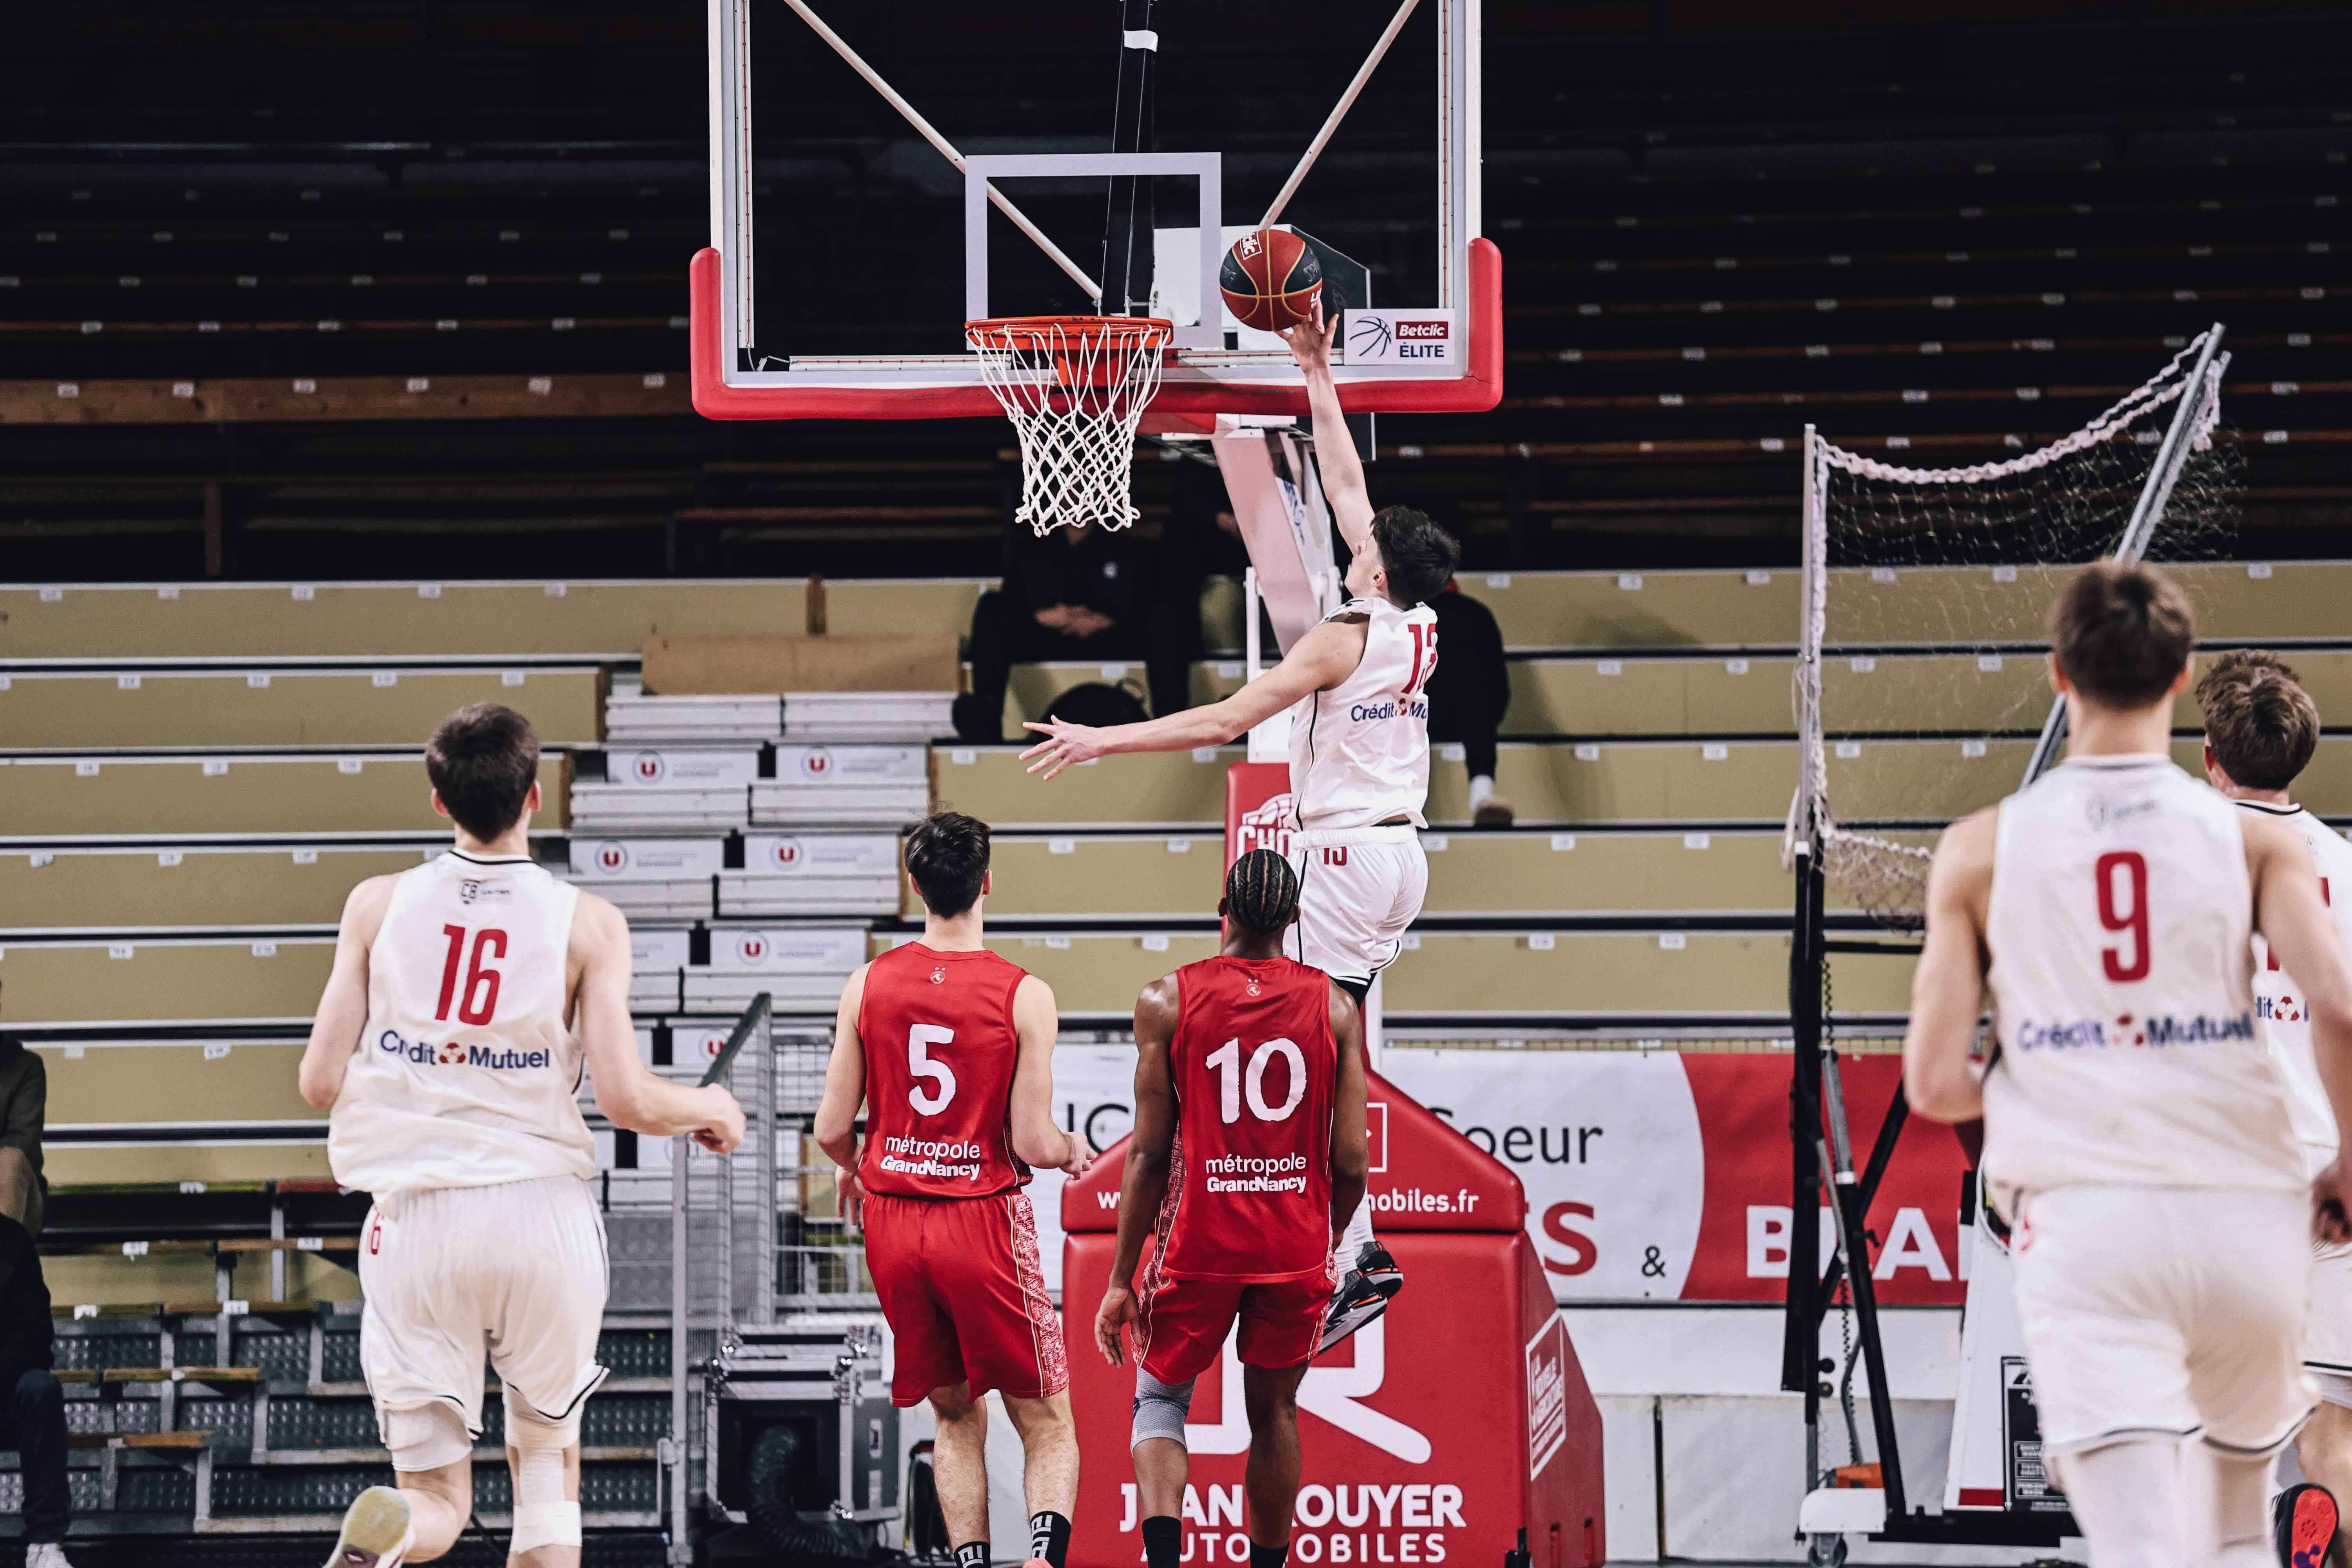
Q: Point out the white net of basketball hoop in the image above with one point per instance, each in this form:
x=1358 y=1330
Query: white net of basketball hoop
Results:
x=1075 y=388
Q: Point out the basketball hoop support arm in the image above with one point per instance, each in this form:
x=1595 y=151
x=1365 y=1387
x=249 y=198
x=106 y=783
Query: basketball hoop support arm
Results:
x=1338 y=112
x=946 y=149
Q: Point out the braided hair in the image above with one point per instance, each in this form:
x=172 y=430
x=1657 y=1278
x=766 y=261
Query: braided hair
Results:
x=1261 y=892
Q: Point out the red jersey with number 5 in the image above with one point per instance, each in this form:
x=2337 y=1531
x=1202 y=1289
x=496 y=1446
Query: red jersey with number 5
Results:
x=941 y=1048
x=1256 y=1071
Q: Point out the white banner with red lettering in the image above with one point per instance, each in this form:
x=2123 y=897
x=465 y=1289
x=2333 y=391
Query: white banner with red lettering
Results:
x=1649 y=1174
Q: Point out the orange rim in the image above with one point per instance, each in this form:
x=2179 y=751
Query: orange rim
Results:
x=1129 y=333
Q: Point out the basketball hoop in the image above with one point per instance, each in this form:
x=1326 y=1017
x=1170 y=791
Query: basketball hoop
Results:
x=1074 y=388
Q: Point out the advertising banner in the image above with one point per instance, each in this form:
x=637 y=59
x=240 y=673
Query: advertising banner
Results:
x=1649 y=1175
x=1664 y=1175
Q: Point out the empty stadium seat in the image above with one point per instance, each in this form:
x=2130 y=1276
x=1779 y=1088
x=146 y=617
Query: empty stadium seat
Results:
x=243 y=794
x=159 y=709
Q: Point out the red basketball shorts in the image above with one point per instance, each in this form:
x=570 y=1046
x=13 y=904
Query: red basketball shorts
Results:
x=962 y=1286
x=1180 y=1324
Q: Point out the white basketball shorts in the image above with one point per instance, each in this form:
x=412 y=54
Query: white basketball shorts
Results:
x=514 y=1274
x=1358 y=889
x=2157 y=1312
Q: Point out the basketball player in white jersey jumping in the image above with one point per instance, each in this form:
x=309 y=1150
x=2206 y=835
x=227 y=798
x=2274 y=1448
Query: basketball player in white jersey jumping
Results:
x=1359 y=754
x=465 y=995
x=2138 y=1136
x=2260 y=728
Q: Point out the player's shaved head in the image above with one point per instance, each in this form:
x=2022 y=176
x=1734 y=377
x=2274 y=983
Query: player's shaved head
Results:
x=483 y=761
x=2122 y=634
x=947 y=855
x=1261 y=892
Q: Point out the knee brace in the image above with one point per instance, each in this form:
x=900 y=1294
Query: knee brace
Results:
x=1161 y=1408
x=543 y=1514
x=425 y=1437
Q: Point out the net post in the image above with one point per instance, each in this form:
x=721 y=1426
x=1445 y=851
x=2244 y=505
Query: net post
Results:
x=2198 y=391
x=680 y=1348
x=1799 y=1343
x=766 y=1210
x=1801 y=851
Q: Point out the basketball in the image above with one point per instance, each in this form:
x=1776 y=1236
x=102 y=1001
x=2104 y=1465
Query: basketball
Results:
x=1271 y=280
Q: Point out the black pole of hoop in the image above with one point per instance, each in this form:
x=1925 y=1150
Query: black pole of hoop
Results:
x=1127 y=227
x=1801 y=1340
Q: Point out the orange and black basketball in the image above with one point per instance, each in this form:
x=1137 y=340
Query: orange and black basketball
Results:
x=1271 y=279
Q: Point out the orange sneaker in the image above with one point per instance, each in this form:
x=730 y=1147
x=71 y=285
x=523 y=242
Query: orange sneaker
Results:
x=2303 y=1523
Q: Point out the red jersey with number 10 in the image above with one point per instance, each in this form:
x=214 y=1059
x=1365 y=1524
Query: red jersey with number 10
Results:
x=940 y=1053
x=1256 y=1068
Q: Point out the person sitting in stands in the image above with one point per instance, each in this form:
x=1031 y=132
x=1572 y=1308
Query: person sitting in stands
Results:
x=23 y=1108
x=1469 y=694
x=33 y=1420
x=1081 y=594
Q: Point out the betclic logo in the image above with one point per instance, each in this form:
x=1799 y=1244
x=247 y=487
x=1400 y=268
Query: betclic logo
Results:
x=1400 y=338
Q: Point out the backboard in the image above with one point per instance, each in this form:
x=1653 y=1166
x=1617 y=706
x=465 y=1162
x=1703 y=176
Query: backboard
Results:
x=880 y=173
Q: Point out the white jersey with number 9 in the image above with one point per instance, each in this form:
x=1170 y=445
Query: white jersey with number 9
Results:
x=2120 y=927
x=465 y=1074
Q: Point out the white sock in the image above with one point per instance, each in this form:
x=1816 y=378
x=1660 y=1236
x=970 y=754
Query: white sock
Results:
x=2242 y=1514
x=1482 y=790
x=2127 y=1498
x=1358 y=1236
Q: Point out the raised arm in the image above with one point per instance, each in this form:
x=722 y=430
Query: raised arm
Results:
x=631 y=1095
x=1036 y=1139
x=1335 y=449
x=2292 y=914
x=1940 y=1077
x=1143 y=1185
x=343 y=1007
x=1351 y=1155
x=1325 y=657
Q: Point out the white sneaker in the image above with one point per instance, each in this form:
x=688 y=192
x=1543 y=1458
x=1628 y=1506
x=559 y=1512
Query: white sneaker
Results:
x=48 y=1554
x=376 y=1531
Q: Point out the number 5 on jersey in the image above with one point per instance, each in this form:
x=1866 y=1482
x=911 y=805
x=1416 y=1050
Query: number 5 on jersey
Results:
x=920 y=1039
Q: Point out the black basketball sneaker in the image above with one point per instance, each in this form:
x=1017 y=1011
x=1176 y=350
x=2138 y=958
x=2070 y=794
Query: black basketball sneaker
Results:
x=1364 y=1293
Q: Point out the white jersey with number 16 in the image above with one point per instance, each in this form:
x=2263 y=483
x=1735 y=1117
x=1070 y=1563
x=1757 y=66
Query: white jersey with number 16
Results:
x=2120 y=927
x=1360 y=755
x=465 y=1074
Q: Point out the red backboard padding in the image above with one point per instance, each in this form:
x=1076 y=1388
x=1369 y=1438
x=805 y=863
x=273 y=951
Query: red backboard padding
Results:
x=1475 y=391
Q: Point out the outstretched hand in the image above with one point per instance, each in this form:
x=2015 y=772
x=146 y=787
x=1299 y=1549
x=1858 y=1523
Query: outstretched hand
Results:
x=1310 y=342
x=1065 y=745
